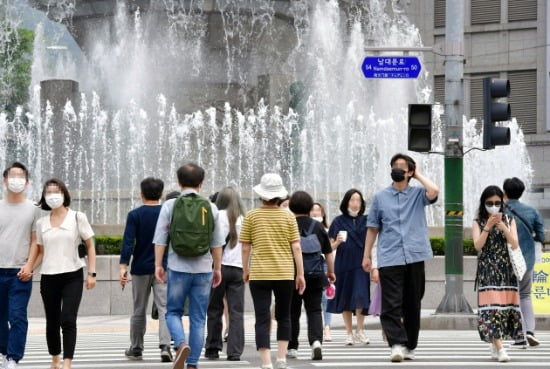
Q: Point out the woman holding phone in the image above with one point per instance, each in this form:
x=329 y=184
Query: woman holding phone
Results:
x=498 y=295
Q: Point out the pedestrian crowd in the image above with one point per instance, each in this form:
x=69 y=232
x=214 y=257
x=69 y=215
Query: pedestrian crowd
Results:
x=197 y=254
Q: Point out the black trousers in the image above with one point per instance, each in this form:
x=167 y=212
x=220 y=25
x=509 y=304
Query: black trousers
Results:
x=402 y=292
x=61 y=294
x=232 y=287
x=312 y=303
x=261 y=296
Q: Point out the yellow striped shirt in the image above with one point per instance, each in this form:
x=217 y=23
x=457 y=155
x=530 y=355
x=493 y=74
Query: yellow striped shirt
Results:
x=270 y=231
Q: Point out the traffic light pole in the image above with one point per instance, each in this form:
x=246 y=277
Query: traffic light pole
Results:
x=454 y=300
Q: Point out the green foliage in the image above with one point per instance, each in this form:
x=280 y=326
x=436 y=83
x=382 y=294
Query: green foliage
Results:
x=15 y=68
x=111 y=245
x=438 y=246
x=108 y=245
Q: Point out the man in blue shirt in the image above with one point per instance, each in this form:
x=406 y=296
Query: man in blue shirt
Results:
x=398 y=218
x=137 y=243
x=530 y=229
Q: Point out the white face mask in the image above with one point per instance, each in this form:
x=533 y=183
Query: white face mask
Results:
x=16 y=184
x=352 y=213
x=319 y=219
x=54 y=200
x=492 y=209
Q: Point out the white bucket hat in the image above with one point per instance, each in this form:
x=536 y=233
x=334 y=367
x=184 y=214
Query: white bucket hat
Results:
x=271 y=187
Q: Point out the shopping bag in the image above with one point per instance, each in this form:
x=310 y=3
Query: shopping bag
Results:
x=375 y=307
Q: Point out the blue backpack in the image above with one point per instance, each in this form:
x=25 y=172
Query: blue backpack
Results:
x=312 y=254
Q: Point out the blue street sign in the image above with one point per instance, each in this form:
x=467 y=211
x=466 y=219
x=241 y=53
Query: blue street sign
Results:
x=391 y=67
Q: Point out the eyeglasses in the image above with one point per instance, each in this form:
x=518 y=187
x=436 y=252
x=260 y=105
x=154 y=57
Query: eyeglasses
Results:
x=493 y=203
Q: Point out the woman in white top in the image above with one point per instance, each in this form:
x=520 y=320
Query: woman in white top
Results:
x=58 y=236
x=232 y=286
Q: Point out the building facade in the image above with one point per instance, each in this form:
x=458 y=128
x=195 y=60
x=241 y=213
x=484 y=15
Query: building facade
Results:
x=504 y=39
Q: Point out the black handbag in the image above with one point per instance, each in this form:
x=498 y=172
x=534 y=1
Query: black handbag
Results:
x=82 y=249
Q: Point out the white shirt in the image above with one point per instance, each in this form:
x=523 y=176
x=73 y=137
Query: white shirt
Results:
x=231 y=256
x=61 y=243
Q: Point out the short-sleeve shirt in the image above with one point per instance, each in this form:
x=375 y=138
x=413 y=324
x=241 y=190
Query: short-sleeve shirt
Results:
x=61 y=243
x=270 y=231
x=186 y=264
x=17 y=222
x=231 y=256
x=402 y=228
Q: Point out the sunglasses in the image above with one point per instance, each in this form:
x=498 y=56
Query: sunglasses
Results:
x=493 y=203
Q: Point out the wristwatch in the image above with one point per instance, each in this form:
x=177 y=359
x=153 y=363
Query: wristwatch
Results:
x=92 y=274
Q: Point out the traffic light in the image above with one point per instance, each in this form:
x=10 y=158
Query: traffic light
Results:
x=420 y=127
x=495 y=112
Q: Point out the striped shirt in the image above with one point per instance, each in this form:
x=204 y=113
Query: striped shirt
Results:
x=270 y=231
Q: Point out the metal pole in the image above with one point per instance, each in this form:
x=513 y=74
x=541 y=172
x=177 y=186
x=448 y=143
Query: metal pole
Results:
x=454 y=300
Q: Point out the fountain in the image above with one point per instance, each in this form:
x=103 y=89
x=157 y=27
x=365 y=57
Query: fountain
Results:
x=240 y=99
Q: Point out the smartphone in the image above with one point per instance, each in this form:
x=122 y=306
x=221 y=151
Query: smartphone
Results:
x=125 y=275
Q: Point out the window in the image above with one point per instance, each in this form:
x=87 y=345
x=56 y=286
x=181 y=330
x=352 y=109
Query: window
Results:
x=522 y=10
x=523 y=99
x=485 y=11
x=439 y=13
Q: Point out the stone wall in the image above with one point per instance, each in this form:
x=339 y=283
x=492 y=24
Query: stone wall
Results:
x=108 y=298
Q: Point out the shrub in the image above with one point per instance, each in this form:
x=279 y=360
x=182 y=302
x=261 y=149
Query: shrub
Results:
x=438 y=246
x=111 y=245
x=108 y=245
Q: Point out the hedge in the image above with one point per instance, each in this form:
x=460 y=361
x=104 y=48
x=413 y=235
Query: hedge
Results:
x=111 y=245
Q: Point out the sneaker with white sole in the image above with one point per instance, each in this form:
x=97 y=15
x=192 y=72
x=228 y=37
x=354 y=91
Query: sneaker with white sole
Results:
x=502 y=356
x=292 y=354
x=3 y=360
x=280 y=364
x=10 y=364
x=408 y=354
x=361 y=338
x=397 y=355
x=267 y=366
x=316 y=351
x=349 y=340
x=533 y=341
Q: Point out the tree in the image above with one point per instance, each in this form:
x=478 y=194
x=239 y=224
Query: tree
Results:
x=15 y=66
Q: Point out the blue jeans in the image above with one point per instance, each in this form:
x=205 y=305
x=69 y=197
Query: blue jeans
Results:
x=15 y=296
x=196 y=286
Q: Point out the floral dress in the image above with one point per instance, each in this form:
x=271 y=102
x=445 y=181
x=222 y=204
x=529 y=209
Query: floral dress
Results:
x=499 y=315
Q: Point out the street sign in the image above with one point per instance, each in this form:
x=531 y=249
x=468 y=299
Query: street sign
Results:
x=391 y=67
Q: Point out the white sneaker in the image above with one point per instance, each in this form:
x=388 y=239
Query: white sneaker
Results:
x=396 y=355
x=292 y=354
x=502 y=356
x=316 y=351
x=280 y=364
x=408 y=354
x=268 y=366
x=10 y=364
x=2 y=361
x=349 y=340
x=361 y=338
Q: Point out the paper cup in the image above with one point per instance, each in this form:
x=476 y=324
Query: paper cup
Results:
x=344 y=235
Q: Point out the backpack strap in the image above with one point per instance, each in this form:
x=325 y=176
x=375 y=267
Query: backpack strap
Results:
x=311 y=228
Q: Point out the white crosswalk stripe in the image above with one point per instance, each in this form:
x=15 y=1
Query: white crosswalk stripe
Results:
x=106 y=350
x=437 y=349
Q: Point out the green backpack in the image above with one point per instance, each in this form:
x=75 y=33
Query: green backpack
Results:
x=191 y=226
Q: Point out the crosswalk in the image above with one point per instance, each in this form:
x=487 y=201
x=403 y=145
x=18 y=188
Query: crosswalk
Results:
x=437 y=349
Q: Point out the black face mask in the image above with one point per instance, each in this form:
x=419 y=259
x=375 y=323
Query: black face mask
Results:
x=397 y=174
